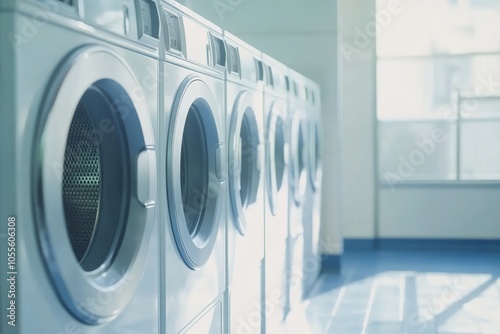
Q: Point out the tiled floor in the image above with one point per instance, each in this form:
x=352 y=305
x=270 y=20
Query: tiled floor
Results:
x=386 y=292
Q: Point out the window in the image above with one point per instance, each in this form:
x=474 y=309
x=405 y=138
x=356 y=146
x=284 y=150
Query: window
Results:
x=438 y=90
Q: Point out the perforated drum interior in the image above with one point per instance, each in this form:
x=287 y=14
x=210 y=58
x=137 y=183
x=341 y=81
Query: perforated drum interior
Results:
x=95 y=180
x=81 y=183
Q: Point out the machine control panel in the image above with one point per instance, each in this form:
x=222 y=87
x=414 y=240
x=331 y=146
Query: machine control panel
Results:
x=233 y=59
x=259 y=70
x=218 y=52
x=287 y=83
x=270 y=77
x=173 y=32
x=68 y=2
x=149 y=24
x=296 y=89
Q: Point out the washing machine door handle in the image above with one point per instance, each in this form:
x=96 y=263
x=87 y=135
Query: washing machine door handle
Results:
x=261 y=157
x=237 y=158
x=219 y=151
x=146 y=177
x=286 y=153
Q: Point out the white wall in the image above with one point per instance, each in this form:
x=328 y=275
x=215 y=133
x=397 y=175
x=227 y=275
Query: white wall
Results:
x=357 y=101
x=302 y=35
x=453 y=211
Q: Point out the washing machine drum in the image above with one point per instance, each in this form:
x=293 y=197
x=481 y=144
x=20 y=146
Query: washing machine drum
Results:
x=246 y=158
x=195 y=160
x=94 y=183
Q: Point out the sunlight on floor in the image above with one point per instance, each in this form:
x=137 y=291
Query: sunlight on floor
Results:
x=463 y=298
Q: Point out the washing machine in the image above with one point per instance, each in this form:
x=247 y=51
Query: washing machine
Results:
x=245 y=219
x=193 y=173
x=298 y=178
x=276 y=201
x=312 y=206
x=79 y=88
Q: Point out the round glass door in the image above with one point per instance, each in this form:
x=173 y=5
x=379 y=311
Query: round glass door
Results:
x=276 y=156
x=299 y=159
x=245 y=159
x=194 y=172
x=314 y=155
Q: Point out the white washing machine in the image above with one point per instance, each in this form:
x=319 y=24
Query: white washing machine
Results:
x=312 y=206
x=245 y=220
x=78 y=84
x=276 y=202
x=298 y=178
x=193 y=173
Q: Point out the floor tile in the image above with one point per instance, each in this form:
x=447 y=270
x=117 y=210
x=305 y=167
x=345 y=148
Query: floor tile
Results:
x=407 y=292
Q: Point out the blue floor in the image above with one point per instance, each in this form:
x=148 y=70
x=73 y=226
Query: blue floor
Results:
x=410 y=292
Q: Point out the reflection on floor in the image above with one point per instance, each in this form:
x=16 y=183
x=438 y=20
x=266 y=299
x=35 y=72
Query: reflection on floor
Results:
x=382 y=292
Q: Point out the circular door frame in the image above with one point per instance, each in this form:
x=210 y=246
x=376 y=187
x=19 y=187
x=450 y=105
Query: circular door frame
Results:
x=315 y=153
x=115 y=281
x=275 y=113
x=299 y=178
x=242 y=106
x=196 y=251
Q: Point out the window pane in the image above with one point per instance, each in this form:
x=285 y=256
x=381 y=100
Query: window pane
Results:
x=426 y=27
x=430 y=53
x=417 y=151
x=485 y=108
x=423 y=88
x=480 y=150
x=401 y=92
